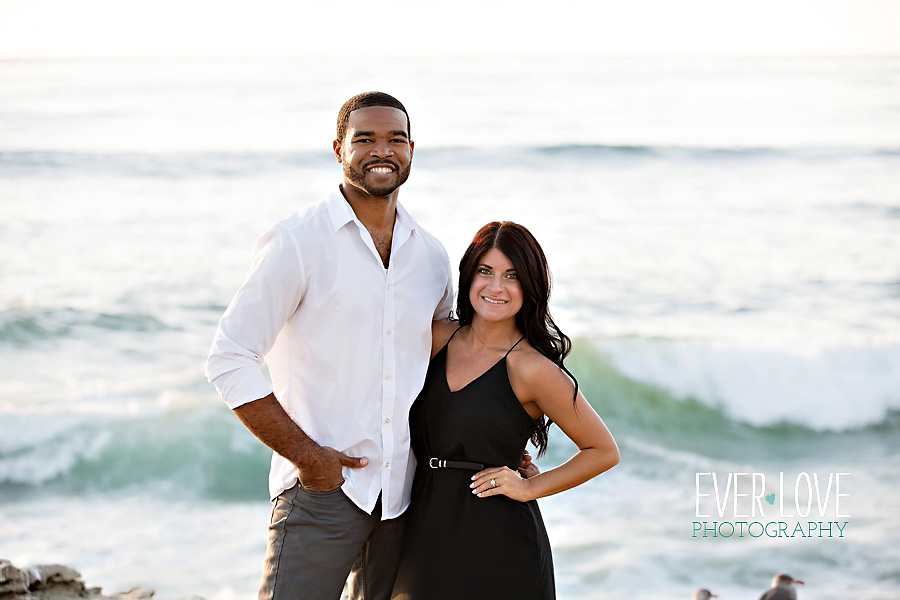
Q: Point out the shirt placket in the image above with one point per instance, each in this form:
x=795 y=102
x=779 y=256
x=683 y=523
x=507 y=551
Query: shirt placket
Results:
x=389 y=389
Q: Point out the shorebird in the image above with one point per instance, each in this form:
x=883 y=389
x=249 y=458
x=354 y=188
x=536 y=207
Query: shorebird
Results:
x=782 y=588
x=703 y=594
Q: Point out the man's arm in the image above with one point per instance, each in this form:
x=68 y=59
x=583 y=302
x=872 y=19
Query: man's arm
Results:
x=247 y=331
x=319 y=466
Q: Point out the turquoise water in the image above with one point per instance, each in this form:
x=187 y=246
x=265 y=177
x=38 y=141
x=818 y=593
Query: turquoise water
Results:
x=723 y=239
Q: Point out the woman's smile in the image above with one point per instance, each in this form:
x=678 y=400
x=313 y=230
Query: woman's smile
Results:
x=496 y=293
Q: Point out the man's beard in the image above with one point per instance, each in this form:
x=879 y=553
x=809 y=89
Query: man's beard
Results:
x=358 y=177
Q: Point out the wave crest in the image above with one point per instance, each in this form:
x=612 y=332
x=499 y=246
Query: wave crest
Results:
x=832 y=389
x=21 y=326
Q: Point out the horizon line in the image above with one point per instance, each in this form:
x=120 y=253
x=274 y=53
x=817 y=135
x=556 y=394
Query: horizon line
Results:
x=437 y=57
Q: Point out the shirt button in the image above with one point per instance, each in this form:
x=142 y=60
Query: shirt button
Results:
x=389 y=332
x=387 y=420
x=387 y=465
x=388 y=376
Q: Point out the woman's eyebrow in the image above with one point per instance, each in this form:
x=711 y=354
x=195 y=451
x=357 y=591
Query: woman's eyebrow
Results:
x=490 y=267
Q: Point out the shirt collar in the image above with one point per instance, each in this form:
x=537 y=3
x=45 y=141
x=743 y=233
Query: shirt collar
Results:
x=339 y=210
x=341 y=213
x=405 y=223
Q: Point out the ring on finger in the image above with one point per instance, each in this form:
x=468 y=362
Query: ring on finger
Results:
x=493 y=482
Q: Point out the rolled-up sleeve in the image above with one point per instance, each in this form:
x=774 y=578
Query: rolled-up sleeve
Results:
x=247 y=330
x=445 y=307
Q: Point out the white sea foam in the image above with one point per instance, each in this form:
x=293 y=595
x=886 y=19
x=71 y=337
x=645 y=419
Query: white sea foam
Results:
x=829 y=389
x=35 y=450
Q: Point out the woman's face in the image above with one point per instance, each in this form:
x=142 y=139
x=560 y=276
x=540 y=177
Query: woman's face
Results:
x=495 y=293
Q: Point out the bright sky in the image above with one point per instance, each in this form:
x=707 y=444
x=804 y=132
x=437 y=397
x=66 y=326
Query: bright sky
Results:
x=416 y=28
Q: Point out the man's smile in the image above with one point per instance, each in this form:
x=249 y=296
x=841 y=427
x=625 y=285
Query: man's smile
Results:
x=381 y=169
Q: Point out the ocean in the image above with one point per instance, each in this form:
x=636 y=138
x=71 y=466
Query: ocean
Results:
x=724 y=237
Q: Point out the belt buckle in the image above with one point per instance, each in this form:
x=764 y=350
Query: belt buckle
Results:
x=434 y=463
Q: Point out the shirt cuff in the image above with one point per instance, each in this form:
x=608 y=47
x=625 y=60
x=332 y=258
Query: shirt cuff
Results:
x=242 y=386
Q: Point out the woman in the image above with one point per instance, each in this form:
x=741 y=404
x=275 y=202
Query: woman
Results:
x=495 y=381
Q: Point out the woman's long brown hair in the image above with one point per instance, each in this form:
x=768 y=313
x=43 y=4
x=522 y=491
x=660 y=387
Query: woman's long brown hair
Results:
x=533 y=319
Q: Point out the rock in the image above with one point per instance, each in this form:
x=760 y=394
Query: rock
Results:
x=45 y=582
x=13 y=580
x=58 y=582
x=138 y=593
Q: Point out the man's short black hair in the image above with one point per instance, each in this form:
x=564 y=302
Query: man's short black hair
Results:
x=365 y=100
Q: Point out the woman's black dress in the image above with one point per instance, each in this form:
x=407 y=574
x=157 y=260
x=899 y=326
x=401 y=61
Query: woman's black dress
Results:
x=459 y=546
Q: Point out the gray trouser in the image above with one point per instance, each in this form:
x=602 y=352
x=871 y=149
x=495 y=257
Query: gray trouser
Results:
x=318 y=539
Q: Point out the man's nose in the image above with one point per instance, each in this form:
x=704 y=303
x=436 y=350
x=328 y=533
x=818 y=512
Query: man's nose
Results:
x=381 y=149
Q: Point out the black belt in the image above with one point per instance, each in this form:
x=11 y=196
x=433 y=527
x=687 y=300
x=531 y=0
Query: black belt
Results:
x=436 y=463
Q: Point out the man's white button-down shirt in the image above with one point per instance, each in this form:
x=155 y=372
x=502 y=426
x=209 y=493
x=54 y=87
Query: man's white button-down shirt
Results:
x=347 y=342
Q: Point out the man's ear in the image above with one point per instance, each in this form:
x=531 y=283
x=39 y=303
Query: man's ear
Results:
x=338 y=154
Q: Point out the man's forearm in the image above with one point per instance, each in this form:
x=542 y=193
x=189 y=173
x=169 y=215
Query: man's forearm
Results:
x=268 y=421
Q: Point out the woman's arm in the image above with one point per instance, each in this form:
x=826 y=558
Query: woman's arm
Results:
x=540 y=384
x=441 y=330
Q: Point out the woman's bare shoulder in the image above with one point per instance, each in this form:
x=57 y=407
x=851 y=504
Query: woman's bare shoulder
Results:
x=528 y=362
x=441 y=331
x=534 y=373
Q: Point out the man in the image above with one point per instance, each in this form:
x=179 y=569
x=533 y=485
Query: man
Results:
x=340 y=301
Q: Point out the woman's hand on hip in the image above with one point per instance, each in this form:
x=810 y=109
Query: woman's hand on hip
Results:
x=501 y=480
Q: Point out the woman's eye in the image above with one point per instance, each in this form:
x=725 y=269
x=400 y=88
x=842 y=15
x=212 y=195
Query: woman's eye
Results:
x=483 y=271
x=512 y=276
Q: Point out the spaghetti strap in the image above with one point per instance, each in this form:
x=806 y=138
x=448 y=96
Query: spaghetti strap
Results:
x=508 y=351
x=454 y=333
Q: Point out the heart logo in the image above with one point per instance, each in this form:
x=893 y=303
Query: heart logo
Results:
x=770 y=498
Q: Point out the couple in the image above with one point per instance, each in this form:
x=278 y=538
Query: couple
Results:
x=347 y=302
